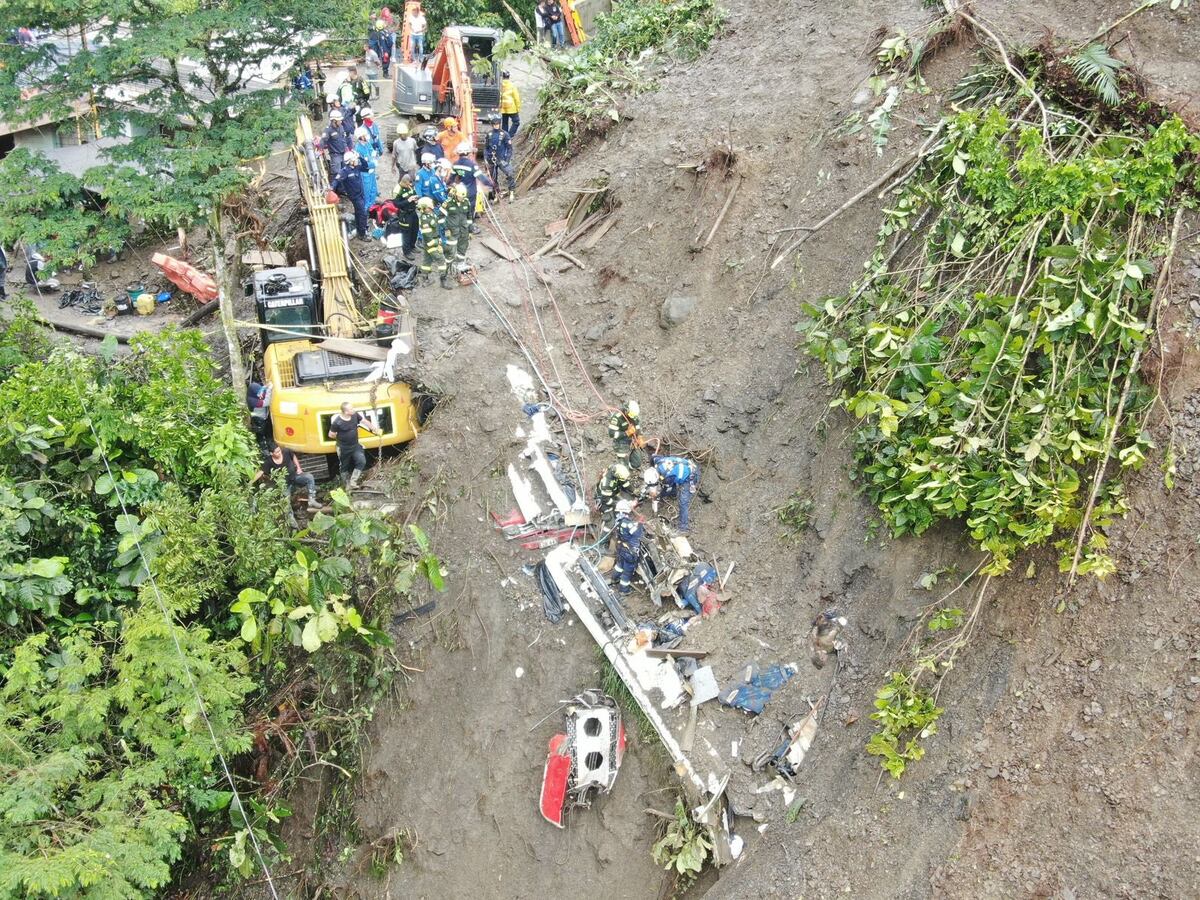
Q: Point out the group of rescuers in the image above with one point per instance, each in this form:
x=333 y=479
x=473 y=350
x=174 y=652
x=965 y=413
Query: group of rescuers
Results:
x=618 y=493
x=437 y=196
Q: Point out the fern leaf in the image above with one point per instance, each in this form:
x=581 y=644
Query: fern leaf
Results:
x=1096 y=68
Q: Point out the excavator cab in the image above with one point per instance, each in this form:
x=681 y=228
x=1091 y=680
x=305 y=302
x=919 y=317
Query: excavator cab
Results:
x=286 y=302
x=461 y=79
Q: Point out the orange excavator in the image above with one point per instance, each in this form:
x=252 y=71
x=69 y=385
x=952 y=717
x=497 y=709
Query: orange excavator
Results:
x=460 y=79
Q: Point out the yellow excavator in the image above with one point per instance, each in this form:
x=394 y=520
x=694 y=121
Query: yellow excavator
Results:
x=319 y=349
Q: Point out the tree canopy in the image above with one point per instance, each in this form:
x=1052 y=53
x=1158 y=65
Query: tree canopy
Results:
x=186 y=91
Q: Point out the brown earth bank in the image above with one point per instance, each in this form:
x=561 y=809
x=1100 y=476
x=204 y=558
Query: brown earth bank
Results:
x=1064 y=765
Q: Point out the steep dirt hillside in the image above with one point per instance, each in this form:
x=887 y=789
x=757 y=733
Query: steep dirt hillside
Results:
x=1065 y=762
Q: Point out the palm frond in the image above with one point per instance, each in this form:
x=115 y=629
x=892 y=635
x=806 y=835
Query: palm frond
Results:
x=1096 y=68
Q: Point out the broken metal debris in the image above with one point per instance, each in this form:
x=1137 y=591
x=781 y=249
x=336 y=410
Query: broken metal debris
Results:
x=790 y=752
x=582 y=762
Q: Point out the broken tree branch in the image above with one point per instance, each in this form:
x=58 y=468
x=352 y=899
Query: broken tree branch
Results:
x=567 y=256
x=85 y=331
x=1098 y=481
x=909 y=159
x=721 y=215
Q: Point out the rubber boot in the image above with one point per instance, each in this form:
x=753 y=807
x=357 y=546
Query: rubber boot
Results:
x=352 y=481
x=446 y=281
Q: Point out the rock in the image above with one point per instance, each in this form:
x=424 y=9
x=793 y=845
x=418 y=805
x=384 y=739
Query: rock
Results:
x=513 y=301
x=596 y=332
x=675 y=309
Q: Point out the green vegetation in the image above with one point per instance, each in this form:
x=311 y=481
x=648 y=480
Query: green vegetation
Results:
x=683 y=849
x=795 y=515
x=582 y=96
x=989 y=354
x=128 y=528
x=905 y=714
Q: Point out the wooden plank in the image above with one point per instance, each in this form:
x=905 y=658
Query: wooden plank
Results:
x=582 y=228
x=662 y=653
x=535 y=175
x=599 y=233
x=358 y=350
x=555 y=227
x=501 y=248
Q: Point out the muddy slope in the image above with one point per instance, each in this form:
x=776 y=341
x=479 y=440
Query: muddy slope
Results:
x=1028 y=790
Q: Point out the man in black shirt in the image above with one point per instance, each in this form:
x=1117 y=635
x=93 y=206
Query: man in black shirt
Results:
x=293 y=475
x=352 y=459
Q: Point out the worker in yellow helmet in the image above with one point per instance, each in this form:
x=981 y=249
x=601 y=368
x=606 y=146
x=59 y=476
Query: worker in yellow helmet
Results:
x=449 y=137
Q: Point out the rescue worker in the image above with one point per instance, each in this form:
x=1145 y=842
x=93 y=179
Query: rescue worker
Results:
x=295 y=479
x=449 y=137
x=352 y=458
x=458 y=212
x=627 y=440
x=428 y=142
x=369 y=123
x=335 y=142
x=510 y=105
x=349 y=184
x=382 y=41
x=497 y=154
x=612 y=483
x=468 y=173
x=404 y=152
x=361 y=90
x=429 y=183
x=406 y=212
x=673 y=476
x=345 y=96
x=629 y=532
x=431 y=220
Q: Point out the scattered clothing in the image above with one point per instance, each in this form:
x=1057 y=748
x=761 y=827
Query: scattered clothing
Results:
x=752 y=691
x=689 y=590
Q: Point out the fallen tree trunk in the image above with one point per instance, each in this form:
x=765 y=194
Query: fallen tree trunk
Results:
x=86 y=331
x=206 y=310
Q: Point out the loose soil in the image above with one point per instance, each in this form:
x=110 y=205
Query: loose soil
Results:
x=1065 y=763
x=1064 y=766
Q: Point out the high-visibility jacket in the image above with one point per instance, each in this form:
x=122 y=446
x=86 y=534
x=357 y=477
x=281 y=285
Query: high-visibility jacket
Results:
x=510 y=98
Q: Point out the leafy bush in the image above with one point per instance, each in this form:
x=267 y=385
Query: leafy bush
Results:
x=683 y=849
x=584 y=87
x=124 y=484
x=986 y=368
x=905 y=714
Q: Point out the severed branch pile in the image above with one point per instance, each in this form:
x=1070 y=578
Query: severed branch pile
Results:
x=990 y=353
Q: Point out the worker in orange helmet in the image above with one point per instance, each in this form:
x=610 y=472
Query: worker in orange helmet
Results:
x=449 y=137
